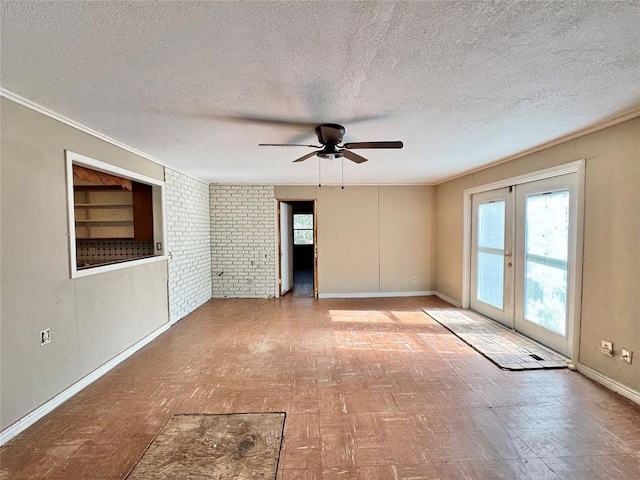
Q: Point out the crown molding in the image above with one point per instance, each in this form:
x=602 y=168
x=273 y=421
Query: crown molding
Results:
x=611 y=122
x=25 y=102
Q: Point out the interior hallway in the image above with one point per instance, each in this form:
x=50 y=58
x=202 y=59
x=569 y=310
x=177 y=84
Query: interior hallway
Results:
x=373 y=389
x=303 y=283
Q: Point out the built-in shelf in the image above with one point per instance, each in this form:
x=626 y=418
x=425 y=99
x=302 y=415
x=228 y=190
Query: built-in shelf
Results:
x=110 y=211
x=95 y=188
x=111 y=216
x=105 y=223
x=103 y=211
x=103 y=205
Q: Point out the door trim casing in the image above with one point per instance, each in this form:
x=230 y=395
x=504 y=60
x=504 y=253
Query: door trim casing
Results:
x=577 y=167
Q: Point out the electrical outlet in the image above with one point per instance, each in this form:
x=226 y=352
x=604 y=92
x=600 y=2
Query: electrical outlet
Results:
x=607 y=348
x=627 y=355
x=45 y=336
x=415 y=279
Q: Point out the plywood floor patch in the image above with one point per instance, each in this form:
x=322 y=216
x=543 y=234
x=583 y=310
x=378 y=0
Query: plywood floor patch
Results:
x=231 y=446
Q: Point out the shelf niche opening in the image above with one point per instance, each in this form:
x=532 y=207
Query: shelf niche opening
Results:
x=114 y=219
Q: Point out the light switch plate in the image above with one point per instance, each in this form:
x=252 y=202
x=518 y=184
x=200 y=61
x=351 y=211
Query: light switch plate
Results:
x=607 y=348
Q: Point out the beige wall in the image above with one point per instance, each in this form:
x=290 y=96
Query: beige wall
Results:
x=372 y=239
x=611 y=259
x=92 y=319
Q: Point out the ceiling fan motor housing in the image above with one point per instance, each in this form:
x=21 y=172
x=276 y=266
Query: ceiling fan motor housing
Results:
x=330 y=151
x=330 y=134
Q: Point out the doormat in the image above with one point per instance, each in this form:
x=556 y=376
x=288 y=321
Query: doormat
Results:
x=505 y=348
x=233 y=446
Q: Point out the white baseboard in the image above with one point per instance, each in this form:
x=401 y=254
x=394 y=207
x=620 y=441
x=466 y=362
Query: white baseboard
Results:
x=32 y=417
x=450 y=300
x=375 y=294
x=230 y=296
x=611 y=384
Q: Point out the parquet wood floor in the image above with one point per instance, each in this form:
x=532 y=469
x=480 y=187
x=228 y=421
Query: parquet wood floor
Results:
x=373 y=389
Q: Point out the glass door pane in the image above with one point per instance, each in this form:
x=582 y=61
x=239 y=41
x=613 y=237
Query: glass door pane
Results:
x=546 y=251
x=490 y=258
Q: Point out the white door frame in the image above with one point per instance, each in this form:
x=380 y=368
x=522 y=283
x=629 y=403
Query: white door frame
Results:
x=577 y=167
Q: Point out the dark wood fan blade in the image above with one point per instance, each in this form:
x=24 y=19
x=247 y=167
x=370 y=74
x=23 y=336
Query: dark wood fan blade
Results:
x=374 y=145
x=354 y=157
x=302 y=159
x=287 y=145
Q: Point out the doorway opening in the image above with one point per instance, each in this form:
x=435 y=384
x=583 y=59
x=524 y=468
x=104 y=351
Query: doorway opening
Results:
x=297 y=248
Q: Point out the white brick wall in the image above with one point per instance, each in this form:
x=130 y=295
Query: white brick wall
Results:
x=242 y=241
x=189 y=242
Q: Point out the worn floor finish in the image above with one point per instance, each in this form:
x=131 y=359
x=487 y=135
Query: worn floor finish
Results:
x=502 y=346
x=373 y=389
x=232 y=446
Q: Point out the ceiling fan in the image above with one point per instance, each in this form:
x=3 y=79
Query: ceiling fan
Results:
x=330 y=137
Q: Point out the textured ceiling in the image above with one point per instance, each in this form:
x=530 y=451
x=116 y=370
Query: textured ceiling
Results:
x=463 y=84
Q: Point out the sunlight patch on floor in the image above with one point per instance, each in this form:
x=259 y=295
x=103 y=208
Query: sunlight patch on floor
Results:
x=378 y=341
x=413 y=318
x=359 y=316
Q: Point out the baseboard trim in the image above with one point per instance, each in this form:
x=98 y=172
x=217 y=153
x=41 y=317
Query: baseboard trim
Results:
x=450 y=300
x=32 y=417
x=376 y=294
x=242 y=296
x=611 y=384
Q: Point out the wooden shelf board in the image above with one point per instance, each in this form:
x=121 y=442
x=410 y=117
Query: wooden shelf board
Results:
x=100 y=187
x=106 y=223
x=103 y=205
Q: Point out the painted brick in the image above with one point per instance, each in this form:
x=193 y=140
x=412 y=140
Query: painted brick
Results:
x=189 y=243
x=242 y=241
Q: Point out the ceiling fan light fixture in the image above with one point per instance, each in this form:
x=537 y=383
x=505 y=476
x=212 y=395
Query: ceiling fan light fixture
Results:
x=330 y=136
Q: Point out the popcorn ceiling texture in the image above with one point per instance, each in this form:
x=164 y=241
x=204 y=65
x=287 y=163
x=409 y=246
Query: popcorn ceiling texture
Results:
x=242 y=241
x=189 y=243
x=462 y=83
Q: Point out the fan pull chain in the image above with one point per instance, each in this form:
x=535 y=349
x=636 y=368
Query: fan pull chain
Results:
x=342 y=159
x=319 y=183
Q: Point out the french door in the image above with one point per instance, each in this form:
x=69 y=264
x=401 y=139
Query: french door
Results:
x=491 y=255
x=522 y=258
